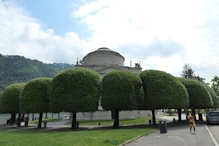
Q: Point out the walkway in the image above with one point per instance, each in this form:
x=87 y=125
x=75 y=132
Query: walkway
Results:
x=177 y=135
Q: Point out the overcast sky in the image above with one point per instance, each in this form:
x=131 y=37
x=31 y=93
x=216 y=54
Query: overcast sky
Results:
x=162 y=35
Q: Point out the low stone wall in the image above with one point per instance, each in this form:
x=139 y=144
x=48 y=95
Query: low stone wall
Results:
x=106 y=115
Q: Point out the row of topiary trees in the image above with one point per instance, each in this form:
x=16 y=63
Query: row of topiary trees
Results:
x=79 y=90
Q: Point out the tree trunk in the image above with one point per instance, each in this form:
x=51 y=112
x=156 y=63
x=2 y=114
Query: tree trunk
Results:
x=22 y=117
x=179 y=114
x=116 y=120
x=153 y=117
x=12 y=119
x=40 y=120
x=26 y=120
x=193 y=112
x=73 y=124
x=19 y=120
x=52 y=115
x=46 y=116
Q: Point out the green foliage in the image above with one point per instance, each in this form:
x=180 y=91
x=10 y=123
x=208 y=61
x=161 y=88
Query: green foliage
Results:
x=199 y=96
x=10 y=98
x=118 y=90
x=162 y=90
x=188 y=72
x=35 y=96
x=75 y=90
x=215 y=85
x=0 y=101
x=17 y=69
x=214 y=97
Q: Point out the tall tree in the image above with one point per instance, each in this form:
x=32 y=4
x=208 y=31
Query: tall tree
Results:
x=10 y=101
x=215 y=84
x=214 y=96
x=199 y=96
x=162 y=90
x=75 y=90
x=188 y=72
x=35 y=97
x=121 y=91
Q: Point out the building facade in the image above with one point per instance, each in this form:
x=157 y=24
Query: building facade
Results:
x=104 y=60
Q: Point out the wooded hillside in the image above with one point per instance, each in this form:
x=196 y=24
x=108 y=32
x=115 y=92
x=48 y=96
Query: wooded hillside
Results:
x=17 y=69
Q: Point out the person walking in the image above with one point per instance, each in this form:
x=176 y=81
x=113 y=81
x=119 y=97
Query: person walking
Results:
x=192 y=124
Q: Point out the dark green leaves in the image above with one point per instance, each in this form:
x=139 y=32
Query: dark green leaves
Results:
x=162 y=90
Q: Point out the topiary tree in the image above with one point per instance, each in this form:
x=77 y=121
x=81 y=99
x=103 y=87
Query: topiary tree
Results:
x=10 y=101
x=163 y=91
x=121 y=91
x=139 y=92
x=75 y=90
x=35 y=97
x=214 y=97
x=199 y=96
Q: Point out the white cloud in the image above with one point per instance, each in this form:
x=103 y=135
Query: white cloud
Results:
x=23 y=35
x=161 y=34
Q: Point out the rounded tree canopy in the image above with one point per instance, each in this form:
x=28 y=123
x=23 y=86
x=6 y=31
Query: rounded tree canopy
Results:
x=139 y=93
x=10 y=99
x=199 y=96
x=35 y=96
x=75 y=90
x=162 y=90
x=118 y=90
x=214 y=97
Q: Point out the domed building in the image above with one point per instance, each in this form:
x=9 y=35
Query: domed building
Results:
x=104 y=60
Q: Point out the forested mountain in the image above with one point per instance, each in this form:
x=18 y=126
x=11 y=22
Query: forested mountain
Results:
x=16 y=69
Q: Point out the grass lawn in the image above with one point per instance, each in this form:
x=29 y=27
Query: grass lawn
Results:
x=46 y=120
x=121 y=122
x=106 y=137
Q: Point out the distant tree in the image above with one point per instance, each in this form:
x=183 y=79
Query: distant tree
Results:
x=0 y=101
x=200 y=79
x=199 y=96
x=215 y=85
x=35 y=97
x=10 y=101
x=75 y=90
x=163 y=91
x=121 y=90
x=188 y=72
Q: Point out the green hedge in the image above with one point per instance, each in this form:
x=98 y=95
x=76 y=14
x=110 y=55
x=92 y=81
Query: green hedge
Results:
x=75 y=90
x=162 y=90
x=35 y=96
x=119 y=90
x=198 y=95
x=214 y=97
x=10 y=99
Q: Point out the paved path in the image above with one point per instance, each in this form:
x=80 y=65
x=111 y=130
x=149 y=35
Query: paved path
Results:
x=177 y=135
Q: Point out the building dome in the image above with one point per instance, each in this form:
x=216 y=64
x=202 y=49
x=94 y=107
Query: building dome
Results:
x=104 y=56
